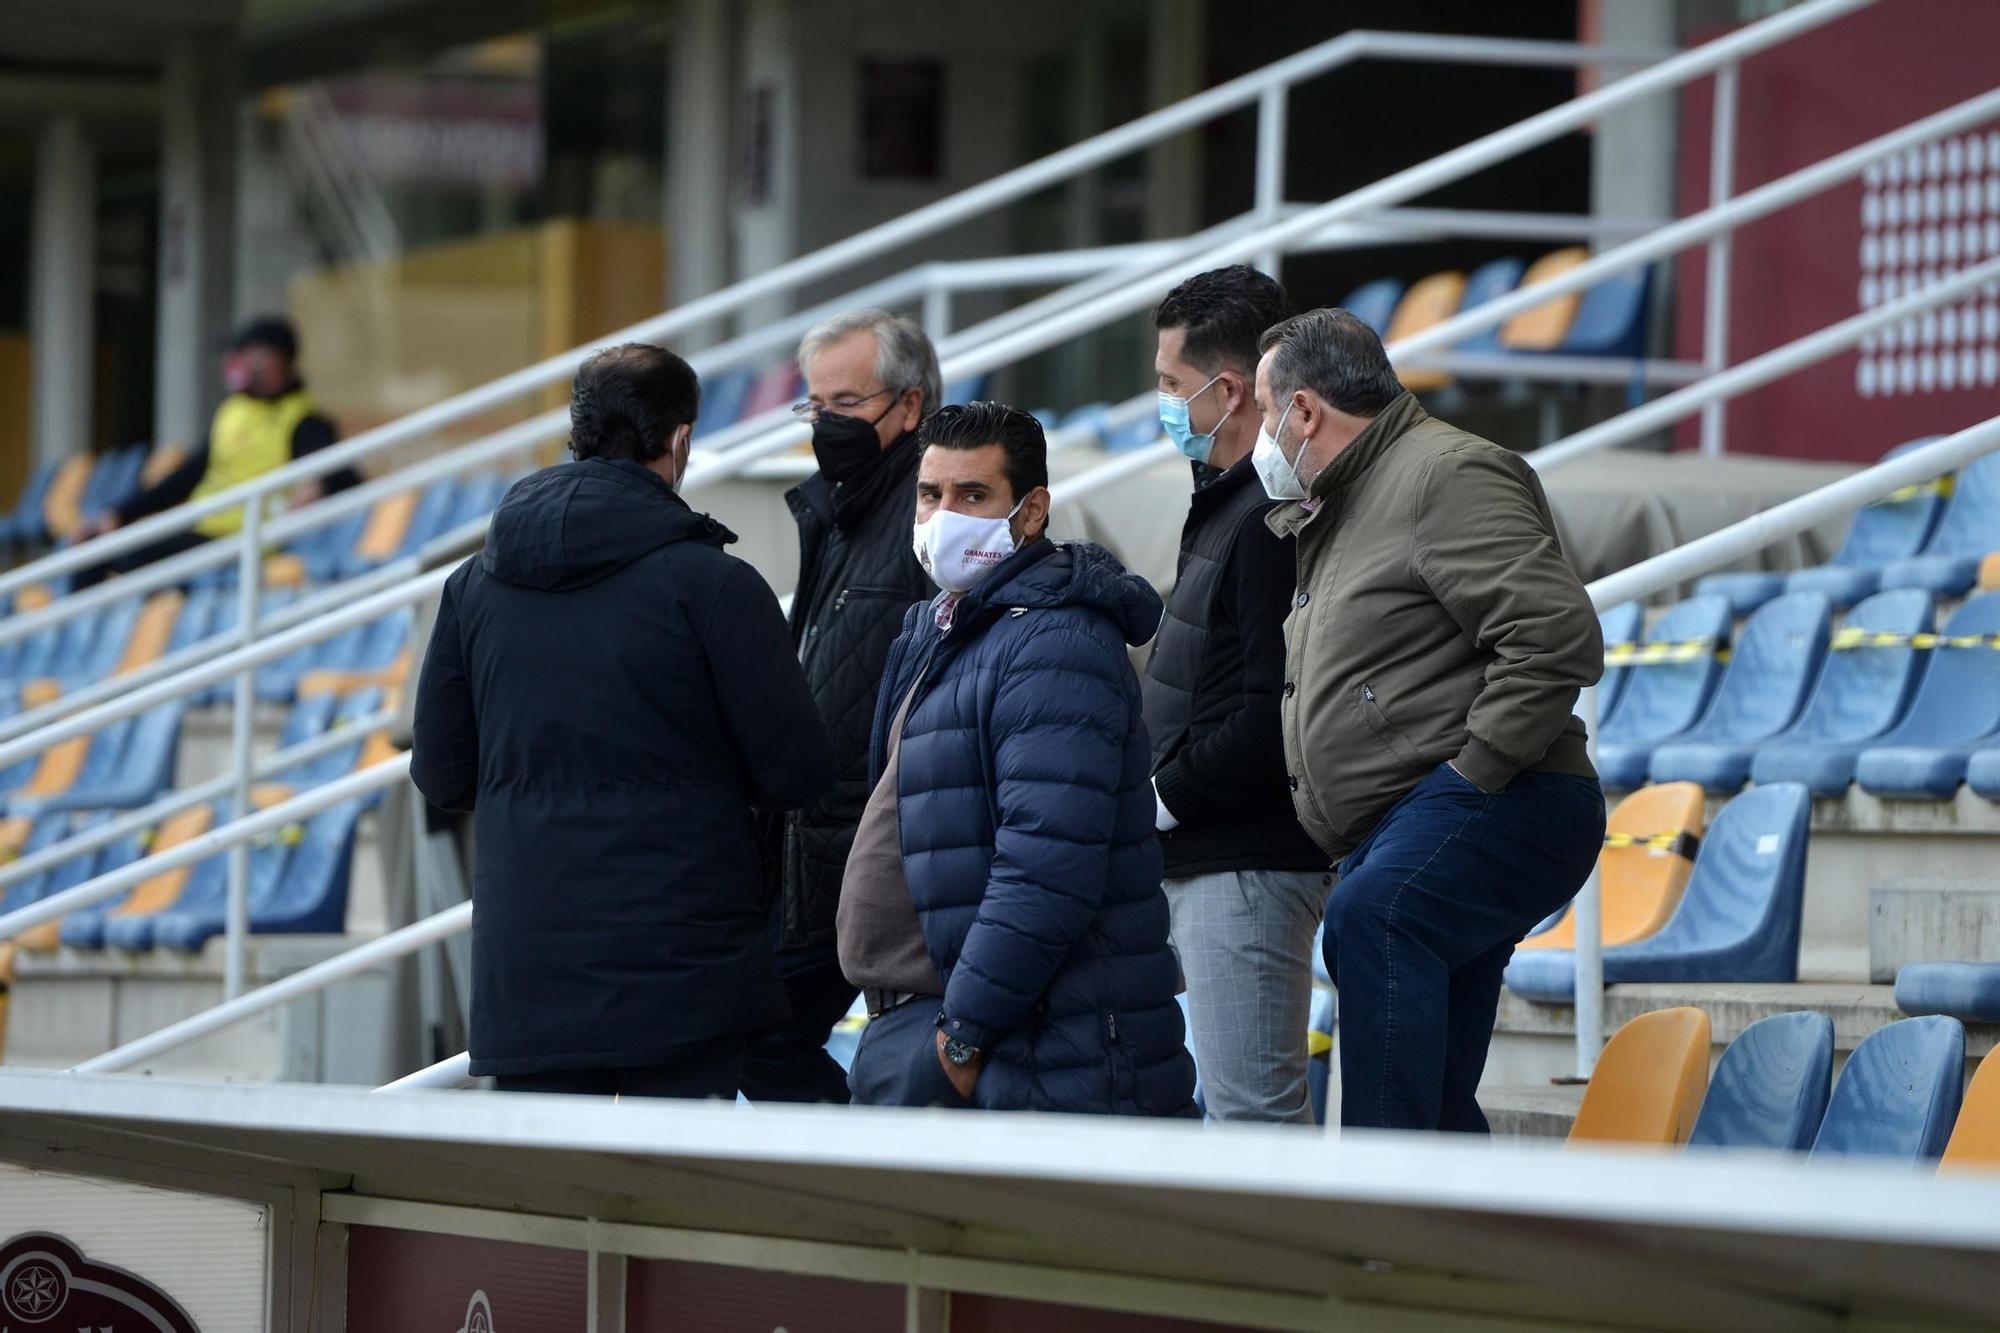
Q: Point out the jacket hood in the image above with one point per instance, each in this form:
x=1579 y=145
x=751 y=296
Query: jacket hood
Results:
x=577 y=523
x=1051 y=574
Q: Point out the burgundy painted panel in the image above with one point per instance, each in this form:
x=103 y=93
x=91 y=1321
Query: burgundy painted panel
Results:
x=417 y=1282
x=663 y=1295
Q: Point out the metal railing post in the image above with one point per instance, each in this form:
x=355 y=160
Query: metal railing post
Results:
x=1589 y=910
x=1715 y=293
x=249 y=580
x=937 y=309
x=1270 y=201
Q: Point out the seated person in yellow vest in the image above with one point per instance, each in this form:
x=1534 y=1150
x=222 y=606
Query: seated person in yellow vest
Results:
x=267 y=421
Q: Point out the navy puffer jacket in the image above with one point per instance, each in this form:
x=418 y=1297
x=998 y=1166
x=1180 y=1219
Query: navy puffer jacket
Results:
x=1027 y=830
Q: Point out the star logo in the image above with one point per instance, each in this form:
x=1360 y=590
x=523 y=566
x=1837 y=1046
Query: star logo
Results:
x=35 y=1290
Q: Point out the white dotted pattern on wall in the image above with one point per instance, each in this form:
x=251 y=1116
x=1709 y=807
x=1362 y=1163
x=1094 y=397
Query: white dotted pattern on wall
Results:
x=1926 y=214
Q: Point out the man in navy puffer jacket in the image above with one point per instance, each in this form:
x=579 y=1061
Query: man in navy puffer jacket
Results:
x=1009 y=725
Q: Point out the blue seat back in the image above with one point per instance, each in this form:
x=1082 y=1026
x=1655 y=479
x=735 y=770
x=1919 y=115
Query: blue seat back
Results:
x=968 y=390
x=1971 y=521
x=151 y=752
x=434 y=510
x=1892 y=529
x=1770 y=1088
x=310 y=892
x=1665 y=700
x=309 y=717
x=476 y=499
x=386 y=638
x=1489 y=282
x=722 y=400
x=1900 y=1093
x=46 y=833
x=27 y=512
x=1621 y=624
x=1864 y=691
x=107 y=646
x=1773 y=665
x=1374 y=303
x=1959 y=699
x=1611 y=317
x=1133 y=435
x=1739 y=918
x=105 y=755
x=197 y=617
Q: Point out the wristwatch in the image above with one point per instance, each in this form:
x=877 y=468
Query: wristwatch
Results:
x=959 y=1052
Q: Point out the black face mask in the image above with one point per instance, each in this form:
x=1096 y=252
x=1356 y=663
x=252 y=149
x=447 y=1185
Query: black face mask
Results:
x=845 y=446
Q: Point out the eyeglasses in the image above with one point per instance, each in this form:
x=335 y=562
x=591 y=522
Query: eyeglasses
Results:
x=844 y=405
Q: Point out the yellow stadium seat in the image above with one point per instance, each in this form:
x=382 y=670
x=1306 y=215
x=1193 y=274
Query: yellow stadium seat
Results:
x=151 y=632
x=164 y=459
x=1542 y=328
x=284 y=571
x=1640 y=885
x=388 y=523
x=389 y=678
x=41 y=692
x=1649 y=1082
x=1975 y=1139
x=1429 y=301
x=62 y=505
x=1989 y=572
x=33 y=597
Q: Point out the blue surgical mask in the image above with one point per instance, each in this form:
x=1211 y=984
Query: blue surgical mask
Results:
x=1174 y=420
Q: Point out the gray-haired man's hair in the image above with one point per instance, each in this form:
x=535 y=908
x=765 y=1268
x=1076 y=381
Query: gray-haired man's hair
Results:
x=904 y=357
x=1336 y=355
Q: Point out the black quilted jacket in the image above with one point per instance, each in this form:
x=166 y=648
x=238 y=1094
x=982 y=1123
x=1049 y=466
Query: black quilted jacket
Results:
x=857 y=576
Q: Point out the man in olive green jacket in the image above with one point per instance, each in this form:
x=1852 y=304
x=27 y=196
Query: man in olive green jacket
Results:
x=1436 y=646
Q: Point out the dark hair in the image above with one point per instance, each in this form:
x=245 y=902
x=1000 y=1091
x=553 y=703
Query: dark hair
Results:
x=272 y=331
x=627 y=401
x=1336 y=355
x=976 y=425
x=1221 y=312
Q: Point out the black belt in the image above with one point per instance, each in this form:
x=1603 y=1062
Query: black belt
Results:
x=881 y=1002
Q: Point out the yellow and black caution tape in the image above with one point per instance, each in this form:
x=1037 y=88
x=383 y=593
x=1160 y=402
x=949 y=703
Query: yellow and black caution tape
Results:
x=1660 y=652
x=291 y=835
x=1850 y=637
x=1942 y=486
x=1675 y=842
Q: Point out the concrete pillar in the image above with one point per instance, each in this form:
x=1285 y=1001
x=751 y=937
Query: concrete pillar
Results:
x=765 y=205
x=197 y=222
x=1176 y=48
x=1632 y=152
x=698 y=144
x=62 y=272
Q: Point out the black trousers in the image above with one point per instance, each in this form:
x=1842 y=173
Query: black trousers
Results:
x=160 y=550
x=699 y=1069
x=897 y=1062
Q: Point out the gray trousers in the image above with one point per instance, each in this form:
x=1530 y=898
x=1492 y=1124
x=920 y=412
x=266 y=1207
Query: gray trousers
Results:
x=1245 y=940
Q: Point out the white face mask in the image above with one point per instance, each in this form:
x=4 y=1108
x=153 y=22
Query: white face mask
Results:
x=1281 y=479
x=958 y=550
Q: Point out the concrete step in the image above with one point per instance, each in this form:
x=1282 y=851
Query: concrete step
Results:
x=1534 y=1111
x=69 y=1005
x=1931 y=920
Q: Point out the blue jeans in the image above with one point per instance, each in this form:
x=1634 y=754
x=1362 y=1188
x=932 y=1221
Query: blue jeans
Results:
x=1420 y=926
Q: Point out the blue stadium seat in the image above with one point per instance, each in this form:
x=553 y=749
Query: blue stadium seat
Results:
x=1982 y=773
x=113 y=480
x=968 y=390
x=1968 y=532
x=205 y=897
x=1969 y=992
x=1956 y=712
x=1746 y=589
x=1772 y=668
x=1611 y=318
x=309 y=896
x=1620 y=624
x=22 y=527
x=84 y=928
x=106 y=645
x=1663 y=700
x=326 y=548
x=140 y=766
x=722 y=400
x=1890 y=530
x=1900 y=1093
x=1771 y=1086
x=1862 y=693
x=1737 y=921
x=45 y=834
x=100 y=766
x=1489 y=282
x=477 y=498
x=1319 y=1058
x=1091 y=419
x=1133 y=435
x=1374 y=303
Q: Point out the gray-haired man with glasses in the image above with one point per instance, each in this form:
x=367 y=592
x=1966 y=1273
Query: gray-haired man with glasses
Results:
x=870 y=378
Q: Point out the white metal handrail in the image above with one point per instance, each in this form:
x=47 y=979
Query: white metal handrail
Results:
x=339 y=737
x=1264 y=87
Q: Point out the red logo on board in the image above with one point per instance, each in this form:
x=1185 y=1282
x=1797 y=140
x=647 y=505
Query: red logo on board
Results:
x=44 y=1278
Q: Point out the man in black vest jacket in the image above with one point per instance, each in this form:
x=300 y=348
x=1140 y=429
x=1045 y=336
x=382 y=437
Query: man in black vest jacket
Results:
x=870 y=378
x=1244 y=881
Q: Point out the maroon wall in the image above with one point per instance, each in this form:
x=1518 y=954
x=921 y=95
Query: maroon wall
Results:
x=1813 y=263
